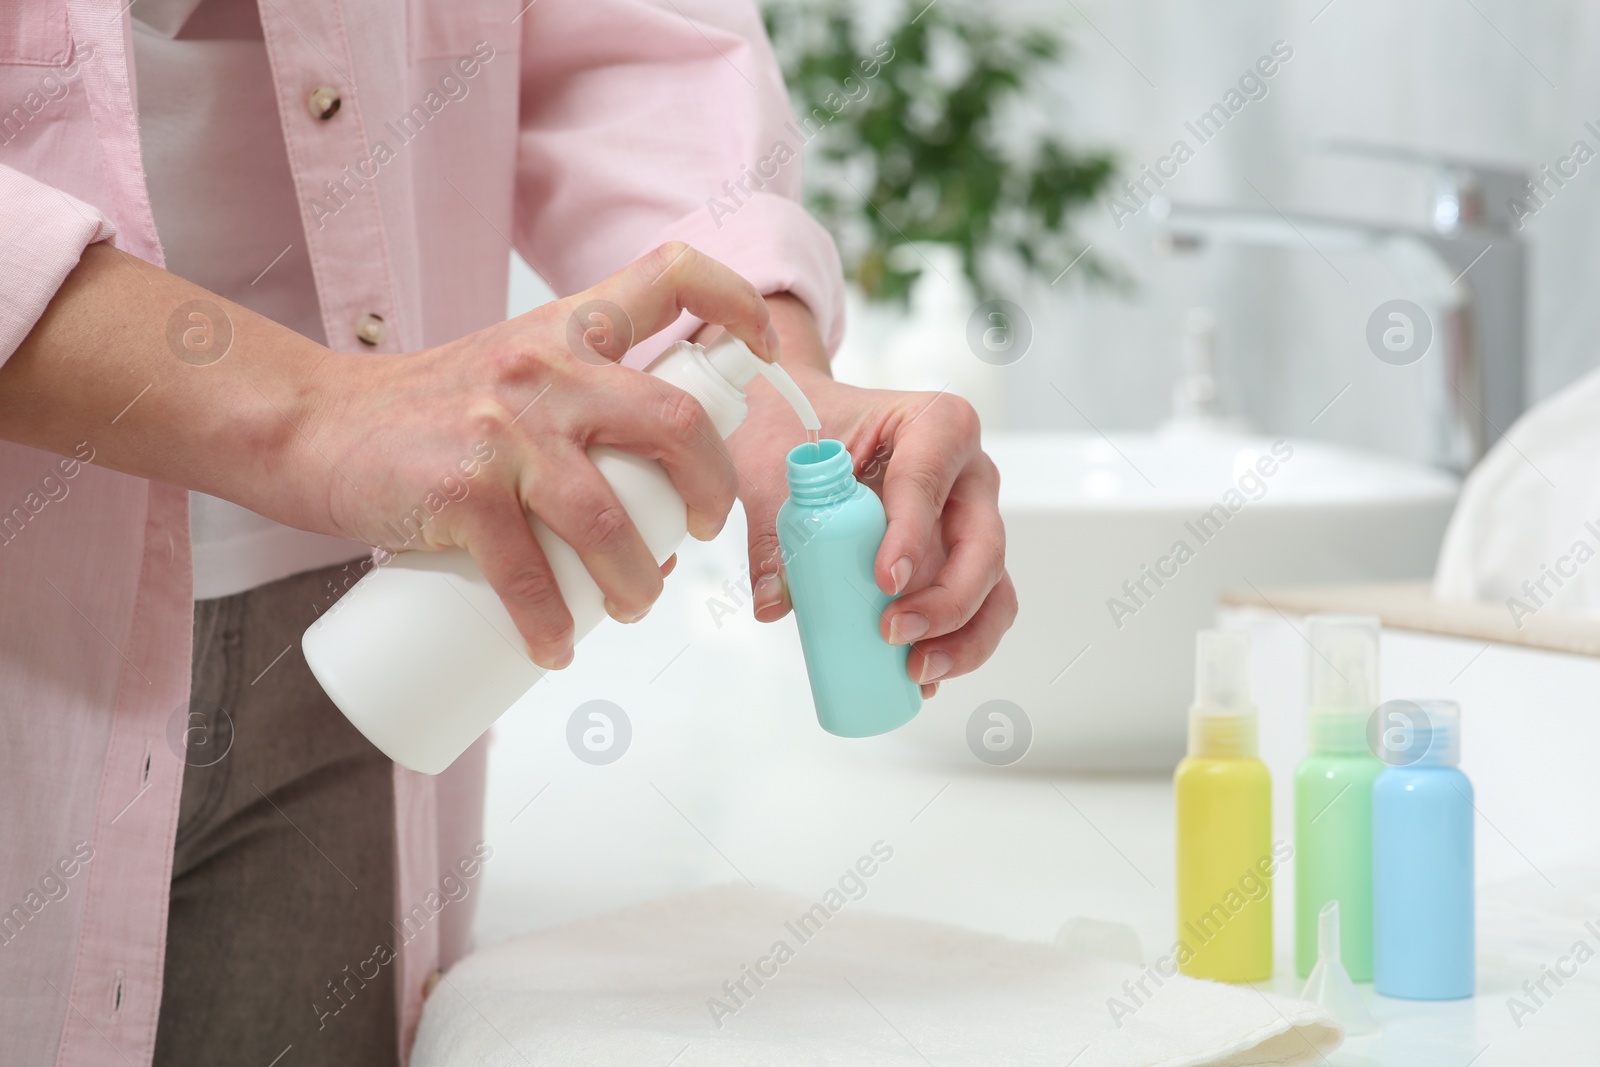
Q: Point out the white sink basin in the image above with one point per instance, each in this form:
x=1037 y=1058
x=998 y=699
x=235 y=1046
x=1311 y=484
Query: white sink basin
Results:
x=1104 y=674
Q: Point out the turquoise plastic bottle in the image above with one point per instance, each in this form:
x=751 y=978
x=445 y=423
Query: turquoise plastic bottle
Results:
x=829 y=530
x=1333 y=791
x=1422 y=856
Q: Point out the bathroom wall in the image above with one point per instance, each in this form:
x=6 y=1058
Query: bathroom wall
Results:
x=1490 y=80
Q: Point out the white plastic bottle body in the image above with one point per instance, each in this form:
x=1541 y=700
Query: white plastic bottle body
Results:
x=658 y=513
x=423 y=657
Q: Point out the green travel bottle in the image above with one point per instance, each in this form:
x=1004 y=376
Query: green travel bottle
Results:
x=1333 y=791
x=829 y=530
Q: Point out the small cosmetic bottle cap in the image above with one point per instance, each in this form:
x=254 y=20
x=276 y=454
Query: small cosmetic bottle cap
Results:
x=1419 y=733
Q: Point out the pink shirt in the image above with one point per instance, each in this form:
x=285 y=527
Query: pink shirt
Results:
x=585 y=133
x=228 y=217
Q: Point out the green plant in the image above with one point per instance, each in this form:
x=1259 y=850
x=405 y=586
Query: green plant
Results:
x=910 y=141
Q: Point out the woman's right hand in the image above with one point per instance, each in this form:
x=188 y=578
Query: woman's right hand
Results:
x=386 y=436
x=352 y=444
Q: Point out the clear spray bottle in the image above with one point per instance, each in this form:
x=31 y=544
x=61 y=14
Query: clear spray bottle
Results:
x=422 y=656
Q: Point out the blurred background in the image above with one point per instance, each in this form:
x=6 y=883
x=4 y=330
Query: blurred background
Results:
x=1489 y=81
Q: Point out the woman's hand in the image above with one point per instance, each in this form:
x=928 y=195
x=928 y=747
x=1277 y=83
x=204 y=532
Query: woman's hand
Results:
x=517 y=406
x=451 y=446
x=944 y=550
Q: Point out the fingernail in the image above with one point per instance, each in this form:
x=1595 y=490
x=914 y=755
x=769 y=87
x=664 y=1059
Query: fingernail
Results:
x=768 y=593
x=900 y=573
x=907 y=627
x=774 y=350
x=563 y=659
x=621 y=616
x=935 y=664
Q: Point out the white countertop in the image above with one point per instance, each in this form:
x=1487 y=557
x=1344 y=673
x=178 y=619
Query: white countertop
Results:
x=729 y=777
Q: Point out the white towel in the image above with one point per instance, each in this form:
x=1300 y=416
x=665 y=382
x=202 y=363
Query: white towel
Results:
x=1526 y=531
x=645 y=985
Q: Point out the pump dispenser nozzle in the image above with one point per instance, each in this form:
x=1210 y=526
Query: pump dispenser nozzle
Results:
x=1222 y=721
x=1344 y=682
x=717 y=378
x=739 y=365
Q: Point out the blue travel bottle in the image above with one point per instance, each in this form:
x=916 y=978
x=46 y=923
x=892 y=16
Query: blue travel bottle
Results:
x=1422 y=873
x=829 y=531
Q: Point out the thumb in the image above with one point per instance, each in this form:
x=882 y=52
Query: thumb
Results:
x=769 y=594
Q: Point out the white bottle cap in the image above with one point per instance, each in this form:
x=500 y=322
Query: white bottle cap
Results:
x=1343 y=682
x=1222 y=720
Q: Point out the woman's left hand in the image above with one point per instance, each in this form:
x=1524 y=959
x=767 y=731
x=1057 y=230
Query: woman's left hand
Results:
x=944 y=550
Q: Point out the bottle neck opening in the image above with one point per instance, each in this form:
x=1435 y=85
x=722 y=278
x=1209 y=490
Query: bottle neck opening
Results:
x=820 y=472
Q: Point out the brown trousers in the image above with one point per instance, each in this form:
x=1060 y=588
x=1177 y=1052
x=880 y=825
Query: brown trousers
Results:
x=284 y=870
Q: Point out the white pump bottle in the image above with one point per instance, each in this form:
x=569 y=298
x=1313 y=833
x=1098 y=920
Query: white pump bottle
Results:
x=422 y=656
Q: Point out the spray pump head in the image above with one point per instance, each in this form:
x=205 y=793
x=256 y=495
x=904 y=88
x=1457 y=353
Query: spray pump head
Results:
x=1343 y=682
x=1222 y=721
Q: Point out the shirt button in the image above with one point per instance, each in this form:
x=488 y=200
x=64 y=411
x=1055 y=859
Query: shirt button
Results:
x=371 y=330
x=324 y=103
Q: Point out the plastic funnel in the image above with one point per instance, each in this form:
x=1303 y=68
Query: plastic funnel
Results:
x=1329 y=985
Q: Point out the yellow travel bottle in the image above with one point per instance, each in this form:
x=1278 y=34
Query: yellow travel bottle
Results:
x=1224 y=802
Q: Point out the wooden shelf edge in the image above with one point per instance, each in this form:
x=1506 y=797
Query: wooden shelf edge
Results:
x=1411 y=606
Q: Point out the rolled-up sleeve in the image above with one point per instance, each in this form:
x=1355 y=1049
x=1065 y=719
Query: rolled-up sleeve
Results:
x=645 y=122
x=43 y=233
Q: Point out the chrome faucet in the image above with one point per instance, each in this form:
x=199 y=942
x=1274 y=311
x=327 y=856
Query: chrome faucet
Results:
x=1468 y=263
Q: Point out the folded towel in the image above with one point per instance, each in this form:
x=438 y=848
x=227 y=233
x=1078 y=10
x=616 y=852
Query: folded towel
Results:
x=759 y=978
x=1528 y=521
